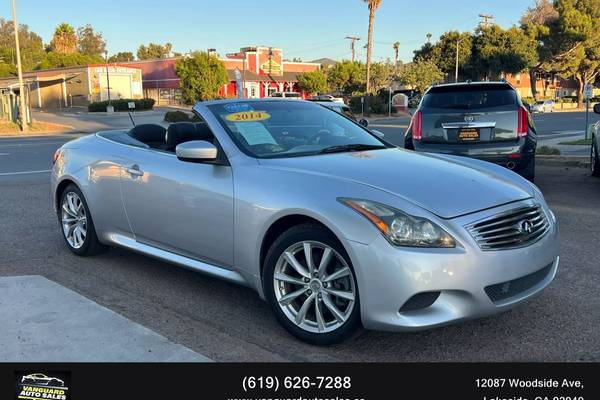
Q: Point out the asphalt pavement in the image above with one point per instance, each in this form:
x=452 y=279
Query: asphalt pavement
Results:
x=226 y=322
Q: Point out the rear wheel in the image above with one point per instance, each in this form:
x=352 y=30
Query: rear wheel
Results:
x=528 y=172
x=77 y=225
x=595 y=159
x=309 y=282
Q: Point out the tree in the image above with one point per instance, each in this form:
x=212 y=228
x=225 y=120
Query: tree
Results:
x=154 y=50
x=200 y=76
x=121 y=56
x=346 y=76
x=32 y=47
x=536 y=23
x=313 y=82
x=445 y=50
x=420 y=74
x=373 y=6
x=55 y=59
x=381 y=74
x=496 y=51
x=64 y=40
x=576 y=35
x=541 y=13
x=90 y=42
x=396 y=51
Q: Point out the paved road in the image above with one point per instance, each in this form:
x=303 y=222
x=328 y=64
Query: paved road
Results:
x=229 y=323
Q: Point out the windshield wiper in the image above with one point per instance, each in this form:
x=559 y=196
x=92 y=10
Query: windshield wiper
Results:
x=351 y=147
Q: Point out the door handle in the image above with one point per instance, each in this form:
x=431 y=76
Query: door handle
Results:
x=134 y=170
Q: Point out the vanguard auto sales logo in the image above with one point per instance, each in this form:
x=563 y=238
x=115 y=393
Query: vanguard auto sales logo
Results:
x=34 y=385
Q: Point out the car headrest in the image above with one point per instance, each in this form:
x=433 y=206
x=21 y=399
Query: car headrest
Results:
x=181 y=132
x=148 y=133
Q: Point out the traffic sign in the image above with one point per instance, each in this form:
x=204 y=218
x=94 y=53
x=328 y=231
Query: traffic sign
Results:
x=588 y=91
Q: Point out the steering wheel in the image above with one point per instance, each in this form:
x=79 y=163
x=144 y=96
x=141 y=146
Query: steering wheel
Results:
x=314 y=139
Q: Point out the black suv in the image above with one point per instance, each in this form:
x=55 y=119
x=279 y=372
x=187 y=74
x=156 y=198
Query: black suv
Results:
x=483 y=120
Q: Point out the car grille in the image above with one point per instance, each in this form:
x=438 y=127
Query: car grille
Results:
x=515 y=228
x=505 y=290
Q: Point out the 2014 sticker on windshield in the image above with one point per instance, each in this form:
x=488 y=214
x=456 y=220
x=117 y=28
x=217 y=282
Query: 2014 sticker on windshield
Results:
x=248 y=116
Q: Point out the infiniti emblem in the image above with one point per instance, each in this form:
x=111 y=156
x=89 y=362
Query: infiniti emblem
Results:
x=526 y=226
x=469 y=118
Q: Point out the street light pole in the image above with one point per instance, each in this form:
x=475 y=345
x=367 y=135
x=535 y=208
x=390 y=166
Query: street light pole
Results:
x=22 y=110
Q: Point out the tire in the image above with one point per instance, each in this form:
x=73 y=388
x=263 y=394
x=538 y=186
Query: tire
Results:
x=595 y=159
x=78 y=217
x=528 y=172
x=290 y=297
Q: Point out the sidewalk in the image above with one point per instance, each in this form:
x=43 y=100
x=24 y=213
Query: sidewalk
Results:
x=566 y=149
x=43 y=321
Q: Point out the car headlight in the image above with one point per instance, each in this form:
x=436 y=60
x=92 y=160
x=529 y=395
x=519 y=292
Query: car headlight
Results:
x=400 y=228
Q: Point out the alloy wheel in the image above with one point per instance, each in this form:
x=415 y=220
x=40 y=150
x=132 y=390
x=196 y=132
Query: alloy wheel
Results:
x=314 y=286
x=74 y=220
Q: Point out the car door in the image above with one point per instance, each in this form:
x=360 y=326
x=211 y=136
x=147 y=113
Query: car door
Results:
x=181 y=207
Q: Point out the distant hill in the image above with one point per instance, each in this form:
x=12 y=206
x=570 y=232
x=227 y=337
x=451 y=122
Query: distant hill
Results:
x=325 y=62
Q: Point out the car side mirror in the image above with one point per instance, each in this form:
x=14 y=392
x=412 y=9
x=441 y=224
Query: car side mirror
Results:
x=597 y=108
x=364 y=122
x=379 y=134
x=196 y=151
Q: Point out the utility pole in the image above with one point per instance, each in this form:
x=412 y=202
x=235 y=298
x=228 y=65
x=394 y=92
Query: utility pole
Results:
x=456 y=70
x=486 y=20
x=22 y=110
x=108 y=107
x=353 y=44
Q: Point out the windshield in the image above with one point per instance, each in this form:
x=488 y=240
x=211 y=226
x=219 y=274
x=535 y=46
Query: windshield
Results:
x=286 y=129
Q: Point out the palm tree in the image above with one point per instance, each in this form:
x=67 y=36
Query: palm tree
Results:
x=396 y=50
x=429 y=35
x=373 y=6
x=64 y=39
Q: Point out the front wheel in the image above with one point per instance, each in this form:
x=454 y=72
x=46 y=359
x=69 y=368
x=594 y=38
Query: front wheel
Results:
x=595 y=159
x=77 y=225
x=310 y=283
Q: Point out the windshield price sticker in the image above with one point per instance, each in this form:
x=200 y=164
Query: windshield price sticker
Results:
x=248 y=116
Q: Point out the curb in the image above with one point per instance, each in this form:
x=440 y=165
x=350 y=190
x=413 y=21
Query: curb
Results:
x=563 y=161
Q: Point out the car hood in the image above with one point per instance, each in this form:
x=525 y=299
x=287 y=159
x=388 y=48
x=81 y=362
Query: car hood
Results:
x=447 y=186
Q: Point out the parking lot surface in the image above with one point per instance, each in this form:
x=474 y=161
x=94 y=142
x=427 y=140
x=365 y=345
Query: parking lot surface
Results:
x=229 y=323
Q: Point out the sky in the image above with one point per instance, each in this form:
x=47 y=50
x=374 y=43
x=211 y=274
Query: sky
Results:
x=307 y=29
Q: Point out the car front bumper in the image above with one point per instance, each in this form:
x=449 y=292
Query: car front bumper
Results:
x=389 y=276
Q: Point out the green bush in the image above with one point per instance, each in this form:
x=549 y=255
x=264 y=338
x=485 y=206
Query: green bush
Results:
x=548 y=151
x=176 y=116
x=122 y=105
x=378 y=104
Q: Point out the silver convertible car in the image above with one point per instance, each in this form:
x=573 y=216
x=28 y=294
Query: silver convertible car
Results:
x=334 y=227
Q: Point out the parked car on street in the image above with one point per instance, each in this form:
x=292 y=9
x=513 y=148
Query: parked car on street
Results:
x=484 y=120
x=332 y=226
x=594 y=157
x=338 y=107
x=289 y=95
x=327 y=97
x=542 y=106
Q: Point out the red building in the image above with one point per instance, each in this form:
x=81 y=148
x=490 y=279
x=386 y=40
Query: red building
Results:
x=263 y=72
